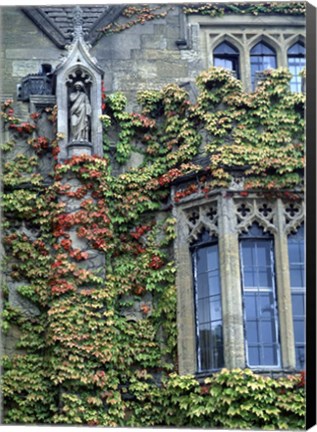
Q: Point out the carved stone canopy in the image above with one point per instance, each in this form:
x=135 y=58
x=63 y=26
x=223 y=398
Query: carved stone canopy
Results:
x=78 y=119
x=56 y=21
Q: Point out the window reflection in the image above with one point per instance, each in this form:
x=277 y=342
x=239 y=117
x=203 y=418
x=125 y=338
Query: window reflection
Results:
x=262 y=57
x=208 y=303
x=227 y=56
x=297 y=278
x=296 y=62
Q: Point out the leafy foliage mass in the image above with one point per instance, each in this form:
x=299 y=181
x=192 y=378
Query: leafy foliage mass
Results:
x=133 y=15
x=100 y=348
x=214 y=9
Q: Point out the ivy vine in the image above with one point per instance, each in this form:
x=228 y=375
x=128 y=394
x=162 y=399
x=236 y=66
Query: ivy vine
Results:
x=133 y=15
x=101 y=347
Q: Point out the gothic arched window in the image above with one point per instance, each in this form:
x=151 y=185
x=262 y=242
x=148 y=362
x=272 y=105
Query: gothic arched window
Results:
x=227 y=56
x=262 y=57
x=209 y=346
x=259 y=298
x=296 y=62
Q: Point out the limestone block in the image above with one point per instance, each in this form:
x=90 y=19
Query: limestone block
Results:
x=21 y=68
x=140 y=308
x=78 y=243
x=45 y=127
x=46 y=168
x=171 y=70
x=19 y=302
x=135 y=160
x=155 y=41
x=150 y=54
x=9 y=340
x=32 y=54
x=96 y=261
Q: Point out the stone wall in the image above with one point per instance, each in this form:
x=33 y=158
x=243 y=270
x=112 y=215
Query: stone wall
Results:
x=141 y=57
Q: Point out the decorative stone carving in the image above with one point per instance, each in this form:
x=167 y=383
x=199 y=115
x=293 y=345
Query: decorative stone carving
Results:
x=78 y=93
x=202 y=217
x=294 y=213
x=251 y=210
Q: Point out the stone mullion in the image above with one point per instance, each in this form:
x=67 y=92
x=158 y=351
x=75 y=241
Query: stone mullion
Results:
x=232 y=311
x=284 y=298
x=186 y=333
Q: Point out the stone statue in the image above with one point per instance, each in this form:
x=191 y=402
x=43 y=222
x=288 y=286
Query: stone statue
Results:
x=80 y=112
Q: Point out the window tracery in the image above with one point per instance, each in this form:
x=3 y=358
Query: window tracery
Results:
x=248 y=211
x=228 y=223
x=202 y=217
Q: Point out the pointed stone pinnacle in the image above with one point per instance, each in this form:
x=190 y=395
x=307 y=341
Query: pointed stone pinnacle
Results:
x=78 y=24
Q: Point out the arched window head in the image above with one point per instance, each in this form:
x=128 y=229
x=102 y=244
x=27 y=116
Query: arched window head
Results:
x=262 y=57
x=296 y=62
x=227 y=56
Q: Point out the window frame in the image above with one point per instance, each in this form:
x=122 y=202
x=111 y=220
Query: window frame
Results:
x=262 y=56
x=298 y=290
x=234 y=58
x=297 y=80
x=247 y=237
x=194 y=248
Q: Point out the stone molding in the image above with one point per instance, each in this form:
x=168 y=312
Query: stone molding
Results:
x=244 y=32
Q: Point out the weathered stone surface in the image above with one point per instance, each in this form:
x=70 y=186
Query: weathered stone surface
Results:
x=77 y=242
x=140 y=309
x=135 y=160
x=17 y=301
x=41 y=53
x=21 y=68
x=95 y=261
x=9 y=340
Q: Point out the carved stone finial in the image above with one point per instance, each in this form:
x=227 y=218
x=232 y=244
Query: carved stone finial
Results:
x=78 y=24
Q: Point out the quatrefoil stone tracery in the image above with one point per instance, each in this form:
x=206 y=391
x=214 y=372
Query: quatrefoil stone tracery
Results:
x=202 y=217
x=294 y=214
x=255 y=210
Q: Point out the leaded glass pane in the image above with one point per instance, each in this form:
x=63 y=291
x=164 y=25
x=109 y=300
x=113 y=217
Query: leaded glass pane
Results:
x=225 y=63
x=269 y=357
x=214 y=282
x=252 y=331
x=298 y=304
x=227 y=56
x=299 y=330
x=226 y=48
x=254 y=356
x=262 y=49
x=202 y=285
x=297 y=49
x=296 y=63
x=262 y=57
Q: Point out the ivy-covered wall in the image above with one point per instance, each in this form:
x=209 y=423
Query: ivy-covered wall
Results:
x=101 y=350
x=96 y=344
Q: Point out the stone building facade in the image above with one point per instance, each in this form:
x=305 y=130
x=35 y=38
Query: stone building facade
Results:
x=239 y=258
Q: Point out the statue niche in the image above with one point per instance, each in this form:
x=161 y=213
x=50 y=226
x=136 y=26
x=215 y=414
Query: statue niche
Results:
x=78 y=95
